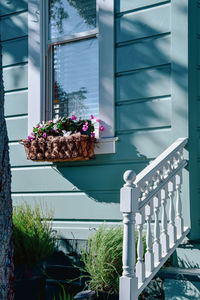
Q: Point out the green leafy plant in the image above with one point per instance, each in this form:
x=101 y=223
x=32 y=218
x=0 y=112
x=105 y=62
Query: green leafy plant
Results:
x=32 y=236
x=103 y=259
x=65 y=126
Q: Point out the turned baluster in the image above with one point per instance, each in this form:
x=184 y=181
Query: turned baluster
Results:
x=149 y=259
x=171 y=226
x=157 y=245
x=179 y=218
x=140 y=266
x=164 y=238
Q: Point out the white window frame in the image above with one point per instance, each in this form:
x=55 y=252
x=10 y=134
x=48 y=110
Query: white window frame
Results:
x=37 y=60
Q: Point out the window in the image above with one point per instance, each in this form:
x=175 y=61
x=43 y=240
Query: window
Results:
x=73 y=54
x=71 y=61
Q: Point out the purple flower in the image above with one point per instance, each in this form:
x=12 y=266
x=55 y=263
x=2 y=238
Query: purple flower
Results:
x=73 y=117
x=101 y=128
x=93 y=134
x=31 y=136
x=98 y=120
x=92 y=117
x=44 y=135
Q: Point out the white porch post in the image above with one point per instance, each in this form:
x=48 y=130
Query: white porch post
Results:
x=128 y=289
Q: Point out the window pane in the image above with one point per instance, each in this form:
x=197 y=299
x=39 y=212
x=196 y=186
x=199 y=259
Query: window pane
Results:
x=76 y=79
x=71 y=16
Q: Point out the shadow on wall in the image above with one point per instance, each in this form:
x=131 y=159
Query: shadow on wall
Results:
x=143 y=104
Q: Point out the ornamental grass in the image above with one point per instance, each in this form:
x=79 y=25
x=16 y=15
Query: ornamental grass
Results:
x=103 y=259
x=33 y=237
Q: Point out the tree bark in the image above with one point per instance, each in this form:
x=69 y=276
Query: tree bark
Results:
x=6 y=246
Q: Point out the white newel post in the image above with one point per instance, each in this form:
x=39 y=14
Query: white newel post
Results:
x=128 y=289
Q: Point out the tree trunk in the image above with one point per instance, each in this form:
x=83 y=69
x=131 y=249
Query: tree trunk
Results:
x=6 y=247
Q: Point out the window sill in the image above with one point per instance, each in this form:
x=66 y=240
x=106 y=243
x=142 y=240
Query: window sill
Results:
x=105 y=146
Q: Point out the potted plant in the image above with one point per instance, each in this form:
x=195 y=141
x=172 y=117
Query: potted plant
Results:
x=102 y=261
x=33 y=243
x=66 y=139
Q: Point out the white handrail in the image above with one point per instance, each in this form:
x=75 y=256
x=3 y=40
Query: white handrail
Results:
x=143 y=197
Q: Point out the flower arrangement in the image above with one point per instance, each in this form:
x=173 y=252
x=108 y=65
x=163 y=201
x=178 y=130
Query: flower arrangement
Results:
x=65 y=139
x=65 y=127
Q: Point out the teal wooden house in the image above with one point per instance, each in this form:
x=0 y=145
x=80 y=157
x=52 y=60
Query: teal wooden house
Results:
x=135 y=65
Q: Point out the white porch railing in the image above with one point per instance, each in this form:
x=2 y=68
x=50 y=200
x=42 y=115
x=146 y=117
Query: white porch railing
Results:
x=143 y=200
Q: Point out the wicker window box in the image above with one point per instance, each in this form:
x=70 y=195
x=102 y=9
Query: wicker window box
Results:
x=60 y=148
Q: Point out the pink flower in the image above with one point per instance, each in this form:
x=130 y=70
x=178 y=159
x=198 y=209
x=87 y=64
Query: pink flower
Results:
x=44 y=135
x=93 y=134
x=31 y=136
x=98 y=120
x=73 y=117
x=92 y=117
x=101 y=128
x=50 y=121
x=85 y=126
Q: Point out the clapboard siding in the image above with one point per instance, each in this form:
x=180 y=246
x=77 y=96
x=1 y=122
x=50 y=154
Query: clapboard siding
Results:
x=142 y=54
x=17 y=128
x=14 y=26
x=15 y=78
x=59 y=179
x=126 y=5
x=142 y=24
x=15 y=51
x=13 y=6
x=147 y=83
x=144 y=104
x=65 y=205
x=149 y=114
x=16 y=103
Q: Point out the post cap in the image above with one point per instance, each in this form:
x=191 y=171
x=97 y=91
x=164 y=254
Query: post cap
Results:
x=129 y=178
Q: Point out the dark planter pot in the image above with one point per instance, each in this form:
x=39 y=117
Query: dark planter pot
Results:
x=31 y=288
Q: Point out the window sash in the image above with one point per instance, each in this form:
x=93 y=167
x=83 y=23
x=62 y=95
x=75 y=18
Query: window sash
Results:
x=49 y=68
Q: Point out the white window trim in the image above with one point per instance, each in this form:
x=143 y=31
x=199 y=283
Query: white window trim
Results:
x=37 y=60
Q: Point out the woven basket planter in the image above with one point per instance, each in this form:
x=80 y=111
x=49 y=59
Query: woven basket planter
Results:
x=59 y=148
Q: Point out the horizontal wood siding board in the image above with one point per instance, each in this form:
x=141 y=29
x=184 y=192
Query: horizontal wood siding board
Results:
x=143 y=144
x=84 y=178
x=144 y=84
x=14 y=26
x=16 y=103
x=76 y=205
x=15 y=51
x=141 y=24
x=139 y=145
x=144 y=53
x=9 y=7
x=125 y=5
x=15 y=78
x=150 y=114
x=17 y=128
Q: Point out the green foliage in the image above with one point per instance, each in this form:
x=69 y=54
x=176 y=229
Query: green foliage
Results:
x=64 y=296
x=32 y=235
x=103 y=259
x=62 y=127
